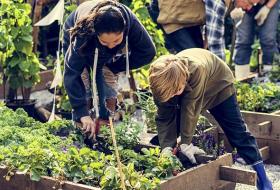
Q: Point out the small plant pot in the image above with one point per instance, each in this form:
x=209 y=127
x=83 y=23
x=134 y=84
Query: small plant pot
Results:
x=27 y=104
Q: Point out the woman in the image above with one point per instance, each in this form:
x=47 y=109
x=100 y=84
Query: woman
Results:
x=191 y=81
x=107 y=37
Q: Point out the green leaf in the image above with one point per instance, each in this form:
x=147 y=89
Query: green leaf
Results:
x=34 y=175
x=27 y=38
x=24 y=66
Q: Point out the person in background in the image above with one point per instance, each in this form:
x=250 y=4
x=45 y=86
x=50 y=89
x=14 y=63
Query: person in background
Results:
x=185 y=84
x=181 y=22
x=106 y=36
x=216 y=12
x=260 y=20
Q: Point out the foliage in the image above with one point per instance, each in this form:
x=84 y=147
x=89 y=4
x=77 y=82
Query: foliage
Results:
x=274 y=75
x=142 y=78
x=133 y=180
x=33 y=148
x=255 y=53
x=141 y=12
x=231 y=65
x=127 y=133
x=260 y=97
x=152 y=162
x=20 y=65
x=146 y=102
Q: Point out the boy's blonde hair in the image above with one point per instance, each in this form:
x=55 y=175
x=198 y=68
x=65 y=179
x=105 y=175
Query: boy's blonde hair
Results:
x=167 y=75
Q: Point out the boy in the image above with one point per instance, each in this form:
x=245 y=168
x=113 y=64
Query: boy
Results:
x=191 y=81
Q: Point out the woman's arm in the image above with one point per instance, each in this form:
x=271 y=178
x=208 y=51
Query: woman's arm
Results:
x=73 y=67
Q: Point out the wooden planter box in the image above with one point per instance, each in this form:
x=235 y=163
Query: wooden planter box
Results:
x=216 y=175
x=202 y=177
x=265 y=128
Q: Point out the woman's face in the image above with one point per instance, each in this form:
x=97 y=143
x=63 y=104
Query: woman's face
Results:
x=110 y=40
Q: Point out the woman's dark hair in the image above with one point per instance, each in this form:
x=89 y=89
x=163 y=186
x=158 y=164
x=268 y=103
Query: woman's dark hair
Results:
x=105 y=17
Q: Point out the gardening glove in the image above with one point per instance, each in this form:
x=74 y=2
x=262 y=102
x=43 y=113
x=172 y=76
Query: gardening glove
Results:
x=262 y=15
x=237 y=15
x=167 y=151
x=190 y=150
x=88 y=126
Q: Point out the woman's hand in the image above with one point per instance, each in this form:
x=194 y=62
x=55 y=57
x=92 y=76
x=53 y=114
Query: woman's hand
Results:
x=88 y=125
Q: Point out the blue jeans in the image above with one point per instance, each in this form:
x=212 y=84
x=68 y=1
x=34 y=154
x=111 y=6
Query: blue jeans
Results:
x=185 y=38
x=247 y=30
x=228 y=115
x=105 y=90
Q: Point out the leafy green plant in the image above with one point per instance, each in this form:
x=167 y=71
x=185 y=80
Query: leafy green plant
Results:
x=34 y=150
x=274 y=75
x=255 y=53
x=127 y=133
x=20 y=66
x=133 y=180
x=141 y=11
x=260 y=97
x=146 y=102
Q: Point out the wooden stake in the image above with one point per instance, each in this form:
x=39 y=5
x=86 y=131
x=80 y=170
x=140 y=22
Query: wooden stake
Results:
x=117 y=153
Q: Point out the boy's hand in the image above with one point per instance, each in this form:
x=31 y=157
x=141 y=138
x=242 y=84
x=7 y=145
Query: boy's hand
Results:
x=190 y=150
x=88 y=125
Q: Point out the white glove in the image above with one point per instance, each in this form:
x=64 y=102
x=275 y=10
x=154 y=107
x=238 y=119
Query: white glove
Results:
x=237 y=14
x=167 y=151
x=262 y=15
x=190 y=150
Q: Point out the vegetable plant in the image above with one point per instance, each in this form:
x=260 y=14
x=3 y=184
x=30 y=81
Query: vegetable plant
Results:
x=260 y=97
x=20 y=66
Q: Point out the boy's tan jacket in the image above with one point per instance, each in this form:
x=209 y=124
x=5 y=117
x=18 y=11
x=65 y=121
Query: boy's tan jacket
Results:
x=177 y=14
x=210 y=83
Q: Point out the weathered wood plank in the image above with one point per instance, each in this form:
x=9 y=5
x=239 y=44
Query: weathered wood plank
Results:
x=235 y=175
x=208 y=175
x=261 y=125
x=22 y=182
x=266 y=127
x=253 y=119
x=265 y=152
x=248 y=78
x=274 y=148
x=276 y=112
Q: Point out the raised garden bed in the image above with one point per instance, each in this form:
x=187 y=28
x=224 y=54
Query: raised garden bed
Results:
x=265 y=128
x=208 y=175
x=34 y=158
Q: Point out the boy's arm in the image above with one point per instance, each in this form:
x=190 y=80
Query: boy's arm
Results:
x=191 y=104
x=166 y=122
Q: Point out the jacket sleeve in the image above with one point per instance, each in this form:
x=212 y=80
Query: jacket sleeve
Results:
x=141 y=47
x=191 y=104
x=74 y=65
x=166 y=120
